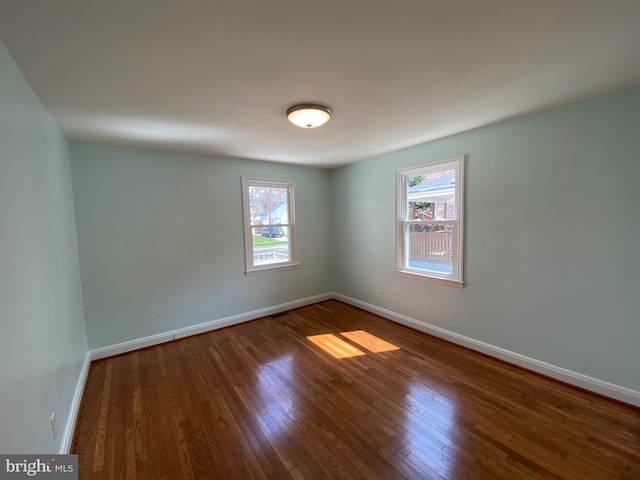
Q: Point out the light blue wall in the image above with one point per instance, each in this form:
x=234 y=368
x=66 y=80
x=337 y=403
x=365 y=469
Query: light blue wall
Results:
x=553 y=237
x=42 y=335
x=161 y=239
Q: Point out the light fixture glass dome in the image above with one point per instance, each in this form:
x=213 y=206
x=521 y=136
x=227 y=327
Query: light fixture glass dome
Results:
x=309 y=115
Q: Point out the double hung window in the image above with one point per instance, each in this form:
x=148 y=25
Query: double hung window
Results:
x=430 y=226
x=269 y=225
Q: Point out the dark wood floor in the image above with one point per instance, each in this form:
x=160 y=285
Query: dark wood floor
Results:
x=260 y=400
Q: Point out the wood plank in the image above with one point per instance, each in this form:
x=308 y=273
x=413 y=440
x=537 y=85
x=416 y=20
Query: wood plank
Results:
x=261 y=401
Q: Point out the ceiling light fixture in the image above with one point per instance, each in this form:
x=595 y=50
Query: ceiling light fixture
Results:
x=309 y=115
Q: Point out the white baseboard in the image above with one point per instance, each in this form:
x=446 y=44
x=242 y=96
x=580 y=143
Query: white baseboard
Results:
x=67 y=436
x=607 y=389
x=139 y=343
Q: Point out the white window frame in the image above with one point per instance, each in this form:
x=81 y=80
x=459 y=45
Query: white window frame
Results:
x=250 y=267
x=456 y=278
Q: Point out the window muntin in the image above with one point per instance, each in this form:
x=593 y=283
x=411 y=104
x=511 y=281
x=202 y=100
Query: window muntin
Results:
x=269 y=225
x=430 y=223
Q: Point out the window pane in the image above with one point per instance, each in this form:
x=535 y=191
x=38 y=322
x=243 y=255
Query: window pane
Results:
x=432 y=196
x=430 y=247
x=268 y=205
x=270 y=245
x=258 y=204
x=278 y=212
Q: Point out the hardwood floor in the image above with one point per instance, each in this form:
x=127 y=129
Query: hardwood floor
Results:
x=260 y=400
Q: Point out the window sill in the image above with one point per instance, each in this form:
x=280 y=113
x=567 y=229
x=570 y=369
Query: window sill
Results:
x=258 y=271
x=429 y=278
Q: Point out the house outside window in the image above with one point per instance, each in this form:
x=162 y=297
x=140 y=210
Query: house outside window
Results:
x=269 y=225
x=430 y=222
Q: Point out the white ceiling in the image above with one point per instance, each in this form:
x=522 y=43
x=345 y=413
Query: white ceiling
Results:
x=217 y=76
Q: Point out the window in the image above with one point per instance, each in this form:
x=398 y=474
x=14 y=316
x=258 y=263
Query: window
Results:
x=429 y=241
x=269 y=225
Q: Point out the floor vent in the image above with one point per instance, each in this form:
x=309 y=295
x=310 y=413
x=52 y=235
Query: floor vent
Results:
x=281 y=314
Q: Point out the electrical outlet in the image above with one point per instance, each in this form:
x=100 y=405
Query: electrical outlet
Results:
x=378 y=294
x=54 y=425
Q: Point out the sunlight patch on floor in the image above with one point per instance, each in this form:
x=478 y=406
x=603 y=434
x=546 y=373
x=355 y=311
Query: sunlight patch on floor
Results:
x=369 y=341
x=335 y=346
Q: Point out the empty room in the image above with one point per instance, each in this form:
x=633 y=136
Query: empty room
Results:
x=320 y=240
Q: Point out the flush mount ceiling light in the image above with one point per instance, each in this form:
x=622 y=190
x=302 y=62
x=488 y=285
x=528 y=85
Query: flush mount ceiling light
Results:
x=309 y=115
